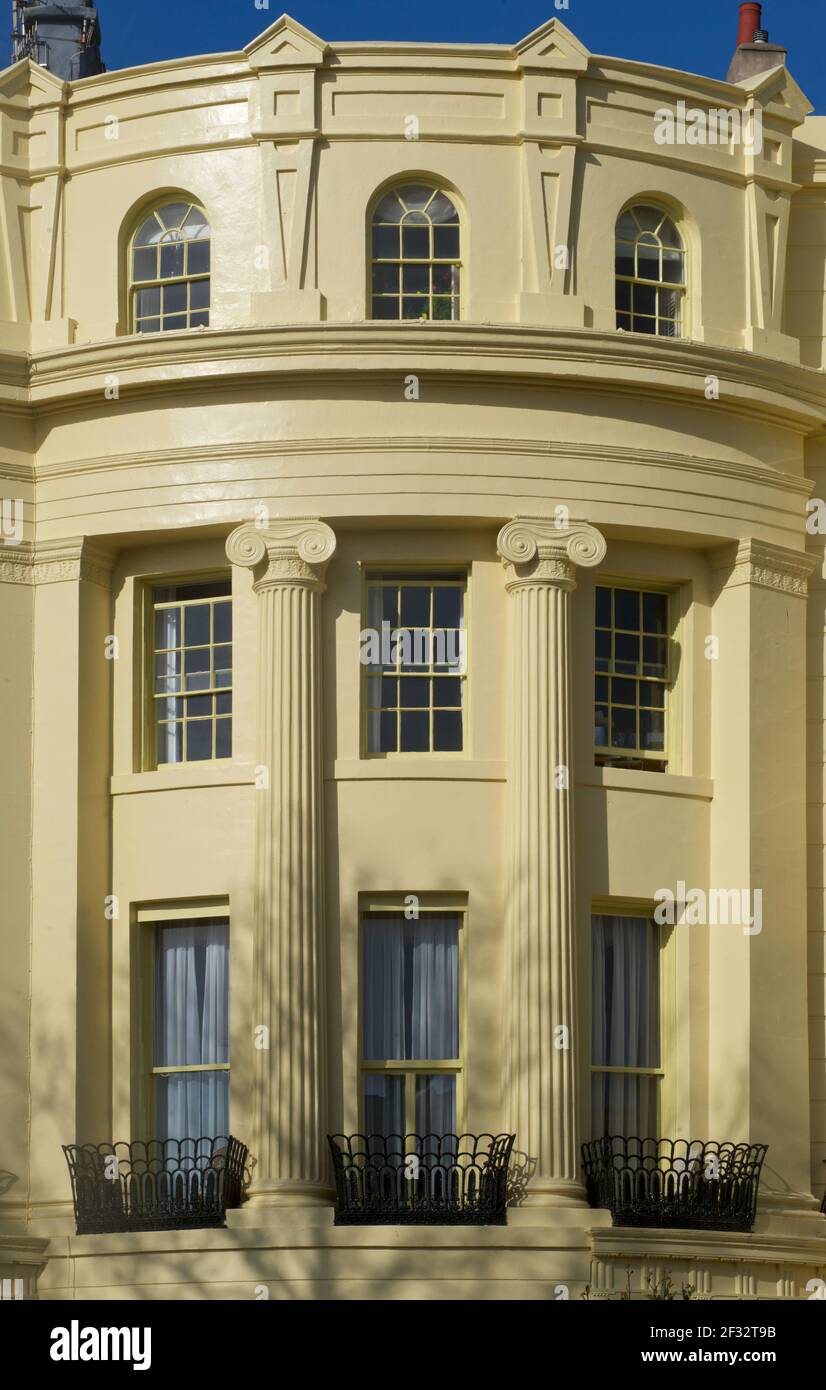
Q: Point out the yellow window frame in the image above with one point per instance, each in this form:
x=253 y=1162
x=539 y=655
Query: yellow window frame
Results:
x=454 y=1066
x=425 y=577
x=149 y=724
x=148 y=917
x=665 y=1072
x=608 y=751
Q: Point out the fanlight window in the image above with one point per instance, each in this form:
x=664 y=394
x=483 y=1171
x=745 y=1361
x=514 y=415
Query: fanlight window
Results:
x=169 y=262
x=416 y=255
x=650 y=273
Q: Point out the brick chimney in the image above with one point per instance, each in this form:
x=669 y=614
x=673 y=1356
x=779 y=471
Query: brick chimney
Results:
x=754 y=53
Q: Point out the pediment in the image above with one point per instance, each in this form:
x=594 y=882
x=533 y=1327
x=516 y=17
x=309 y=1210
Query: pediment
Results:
x=553 y=46
x=286 y=44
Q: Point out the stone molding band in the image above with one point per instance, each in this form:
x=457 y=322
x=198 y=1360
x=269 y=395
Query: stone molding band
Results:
x=53 y=562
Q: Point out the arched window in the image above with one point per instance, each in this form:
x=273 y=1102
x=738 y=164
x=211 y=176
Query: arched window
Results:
x=650 y=270
x=169 y=270
x=416 y=255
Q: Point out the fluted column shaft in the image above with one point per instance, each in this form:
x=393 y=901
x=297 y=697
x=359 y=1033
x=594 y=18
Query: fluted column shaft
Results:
x=289 y=559
x=540 y=1038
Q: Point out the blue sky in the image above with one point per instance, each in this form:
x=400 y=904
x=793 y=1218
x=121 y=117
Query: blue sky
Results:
x=697 y=35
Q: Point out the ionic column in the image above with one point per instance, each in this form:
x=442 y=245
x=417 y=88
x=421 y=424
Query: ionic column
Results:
x=539 y=1067
x=288 y=560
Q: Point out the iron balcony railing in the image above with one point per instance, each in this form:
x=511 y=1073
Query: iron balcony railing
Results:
x=413 y=1179
x=679 y=1183
x=155 y=1184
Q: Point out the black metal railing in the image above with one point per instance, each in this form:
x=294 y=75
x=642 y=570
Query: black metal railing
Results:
x=679 y=1183
x=413 y=1179
x=155 y=1184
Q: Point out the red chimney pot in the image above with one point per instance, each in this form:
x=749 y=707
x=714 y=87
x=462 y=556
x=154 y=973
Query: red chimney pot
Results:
x=750 y=17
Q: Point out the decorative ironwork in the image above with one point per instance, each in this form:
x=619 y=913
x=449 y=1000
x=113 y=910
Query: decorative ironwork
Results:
x=412 y=1179
x=155 y=1184
x=679 y=1183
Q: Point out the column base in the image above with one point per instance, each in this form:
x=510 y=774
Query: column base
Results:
x=288 y=1192
x=555 y=1192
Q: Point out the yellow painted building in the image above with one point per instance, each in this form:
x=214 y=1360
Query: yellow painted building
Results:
x=307 y=343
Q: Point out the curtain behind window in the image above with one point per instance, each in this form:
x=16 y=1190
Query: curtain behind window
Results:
x=192 y=1028
x=411 y=989
x=625 y=1027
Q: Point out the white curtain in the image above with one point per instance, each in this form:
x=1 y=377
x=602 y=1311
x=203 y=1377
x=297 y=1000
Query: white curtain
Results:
x=192 y=1028
x=625 y=1027
x=411 y=989
x=169 y=750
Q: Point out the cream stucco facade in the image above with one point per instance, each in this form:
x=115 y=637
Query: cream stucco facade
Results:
x=296 y=445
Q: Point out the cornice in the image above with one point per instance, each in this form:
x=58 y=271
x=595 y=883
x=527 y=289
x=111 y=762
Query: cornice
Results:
x=767 y=566
x=793 y=396
x=53 y=562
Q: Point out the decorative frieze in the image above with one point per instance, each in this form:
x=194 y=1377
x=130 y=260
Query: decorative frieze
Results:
x=55 y=562
x=769 y=566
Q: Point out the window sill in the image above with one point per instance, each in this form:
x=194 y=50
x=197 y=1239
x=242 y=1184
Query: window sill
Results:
x=412 y=769
x=658 y=783
x=181 y=778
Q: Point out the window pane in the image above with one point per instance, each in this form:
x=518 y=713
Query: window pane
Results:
x=173 y=214
x=167 y=627
x=416 y=195
x=415 y=607
x=386 y=279
x=170 y=744
x=627 y=609
x=415 y=243
x=625 y=993
x=624 y=1105
x=196 y=625
x=655 y=613
x=415 y=733
x=446 y=243
x=192 y=994
x=199 y=294
x=447 y=731
x=192 y=1105
x=223 y=738
x=435 y=1105
x=410 y=988
x=198 y=257
x=222 y=620
x=603 y=608
x=447 y=690
x=386 y=243
x=448 y=604
x=388 y=734
x=389 y=209
x=441 y=209
x=414 y=692
x=623 y=727
x=416 y=279
x=198 y=740
x=172 y=259
x=145 y=264
x=383 y=1104
x=652 y=730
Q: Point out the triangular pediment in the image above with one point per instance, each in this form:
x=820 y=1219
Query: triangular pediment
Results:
x=286 y=44
x=777 y=89
x=30 y=84
x=553 y=46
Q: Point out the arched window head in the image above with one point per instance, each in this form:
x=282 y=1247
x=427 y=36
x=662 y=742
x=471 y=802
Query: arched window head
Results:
x=169 y=259
x=650 y=271
x=416 y=255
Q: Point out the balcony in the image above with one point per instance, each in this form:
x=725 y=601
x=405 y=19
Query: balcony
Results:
x=155 y=1185
x=427 y=1180
x=674 y=1183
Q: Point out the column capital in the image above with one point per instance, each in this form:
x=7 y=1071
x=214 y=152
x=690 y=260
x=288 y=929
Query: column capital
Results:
x=535 y=550
x=289 y=550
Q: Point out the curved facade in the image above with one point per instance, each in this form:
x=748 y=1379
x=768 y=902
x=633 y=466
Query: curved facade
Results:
x=245 y=418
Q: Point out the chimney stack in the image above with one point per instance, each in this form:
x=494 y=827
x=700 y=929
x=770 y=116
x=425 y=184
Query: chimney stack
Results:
x=64 y=37
x=754 y=52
